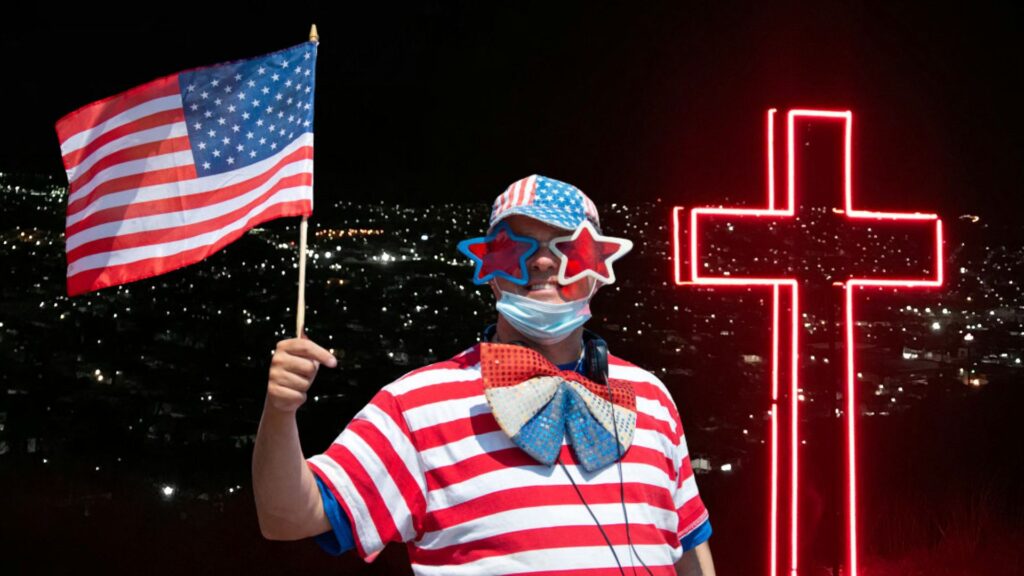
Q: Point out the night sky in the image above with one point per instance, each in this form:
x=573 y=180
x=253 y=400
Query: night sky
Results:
x=436 y=102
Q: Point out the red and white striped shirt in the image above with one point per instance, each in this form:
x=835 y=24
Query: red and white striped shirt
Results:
x=426 y=463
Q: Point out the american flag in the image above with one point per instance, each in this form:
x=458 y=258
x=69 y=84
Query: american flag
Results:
x=167 y=173
x=553 y=201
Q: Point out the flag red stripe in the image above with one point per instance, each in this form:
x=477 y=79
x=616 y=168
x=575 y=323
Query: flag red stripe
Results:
x=72 y=159
x=363 y=482
x=441 y=392
x=462 y=428
x=531 y=496
x=133 y=181
x=386 y=403
x=689 y=514
x=413 y=496
x=588 y=571
x=457 y=363
x=341 y=501
x=685 y=469
x=150 y=237
x=652 y=392
x=186 y=202
x=474 y=466
x=455 y=430
x=98 y=278
x=158 y=148
x=100 y=111
x=542 y=539
x=648 y=422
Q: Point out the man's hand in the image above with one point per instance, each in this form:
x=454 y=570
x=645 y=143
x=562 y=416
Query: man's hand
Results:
x=292 y=370
x=288 y=503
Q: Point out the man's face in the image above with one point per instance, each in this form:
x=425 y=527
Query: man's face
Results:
x=542 y=266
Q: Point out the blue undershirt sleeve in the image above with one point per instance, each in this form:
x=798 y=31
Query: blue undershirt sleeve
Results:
x=339 y=540
x=697 y=537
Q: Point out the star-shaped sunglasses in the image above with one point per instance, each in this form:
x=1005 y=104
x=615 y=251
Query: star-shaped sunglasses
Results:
x=503 y=254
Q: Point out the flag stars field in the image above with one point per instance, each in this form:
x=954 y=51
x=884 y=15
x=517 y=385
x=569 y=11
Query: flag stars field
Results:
x=291 y=101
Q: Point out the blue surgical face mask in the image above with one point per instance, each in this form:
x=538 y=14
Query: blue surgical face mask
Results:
x=545 y=323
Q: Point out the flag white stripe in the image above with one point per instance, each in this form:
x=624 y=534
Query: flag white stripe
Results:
x=445 y=411
x=83 y=138
x=454 y=452
x=362 y=523
x=556 y=559
x=480 y=444
x=684 y=451
x=550 y=516
x=170 y=220
x=419 y=380
x=398 y=440
x=510 y=196
x=505 y=196
x=385 y=484
x=140 y=166
x=455 y=409
x=531 y=188
x=687 y=491
x=164 y=250
x=656 y=410
x=155 y=134
x=185 y=188
x=539 y=475
x=635 y=374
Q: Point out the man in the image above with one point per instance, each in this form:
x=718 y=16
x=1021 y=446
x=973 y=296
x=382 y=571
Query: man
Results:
x=532 y=452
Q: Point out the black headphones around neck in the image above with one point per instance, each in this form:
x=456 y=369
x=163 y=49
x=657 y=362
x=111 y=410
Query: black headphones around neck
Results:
x=595 y=353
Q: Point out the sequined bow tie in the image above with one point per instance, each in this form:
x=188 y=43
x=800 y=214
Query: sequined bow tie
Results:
x=537 y=405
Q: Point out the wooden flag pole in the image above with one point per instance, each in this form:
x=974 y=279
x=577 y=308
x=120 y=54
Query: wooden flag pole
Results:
x=300 y=317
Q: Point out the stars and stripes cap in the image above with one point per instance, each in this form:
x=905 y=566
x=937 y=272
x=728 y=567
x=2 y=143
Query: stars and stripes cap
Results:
x=551 y=201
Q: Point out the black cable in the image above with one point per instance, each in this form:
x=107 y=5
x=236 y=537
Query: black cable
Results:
x=598 y=371
x=599 y=527
x=622 y=492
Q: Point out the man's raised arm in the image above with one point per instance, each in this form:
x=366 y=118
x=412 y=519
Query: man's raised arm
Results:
x=288 y=502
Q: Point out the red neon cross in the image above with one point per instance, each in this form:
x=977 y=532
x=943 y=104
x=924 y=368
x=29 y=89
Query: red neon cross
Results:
x=849 y=284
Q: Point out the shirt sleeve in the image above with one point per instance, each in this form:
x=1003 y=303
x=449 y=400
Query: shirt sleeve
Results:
x=339 y=539
x=694 y=526
x=697 y=537
x=374 y=471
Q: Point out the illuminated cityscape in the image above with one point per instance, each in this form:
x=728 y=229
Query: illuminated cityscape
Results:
x=151 y=392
